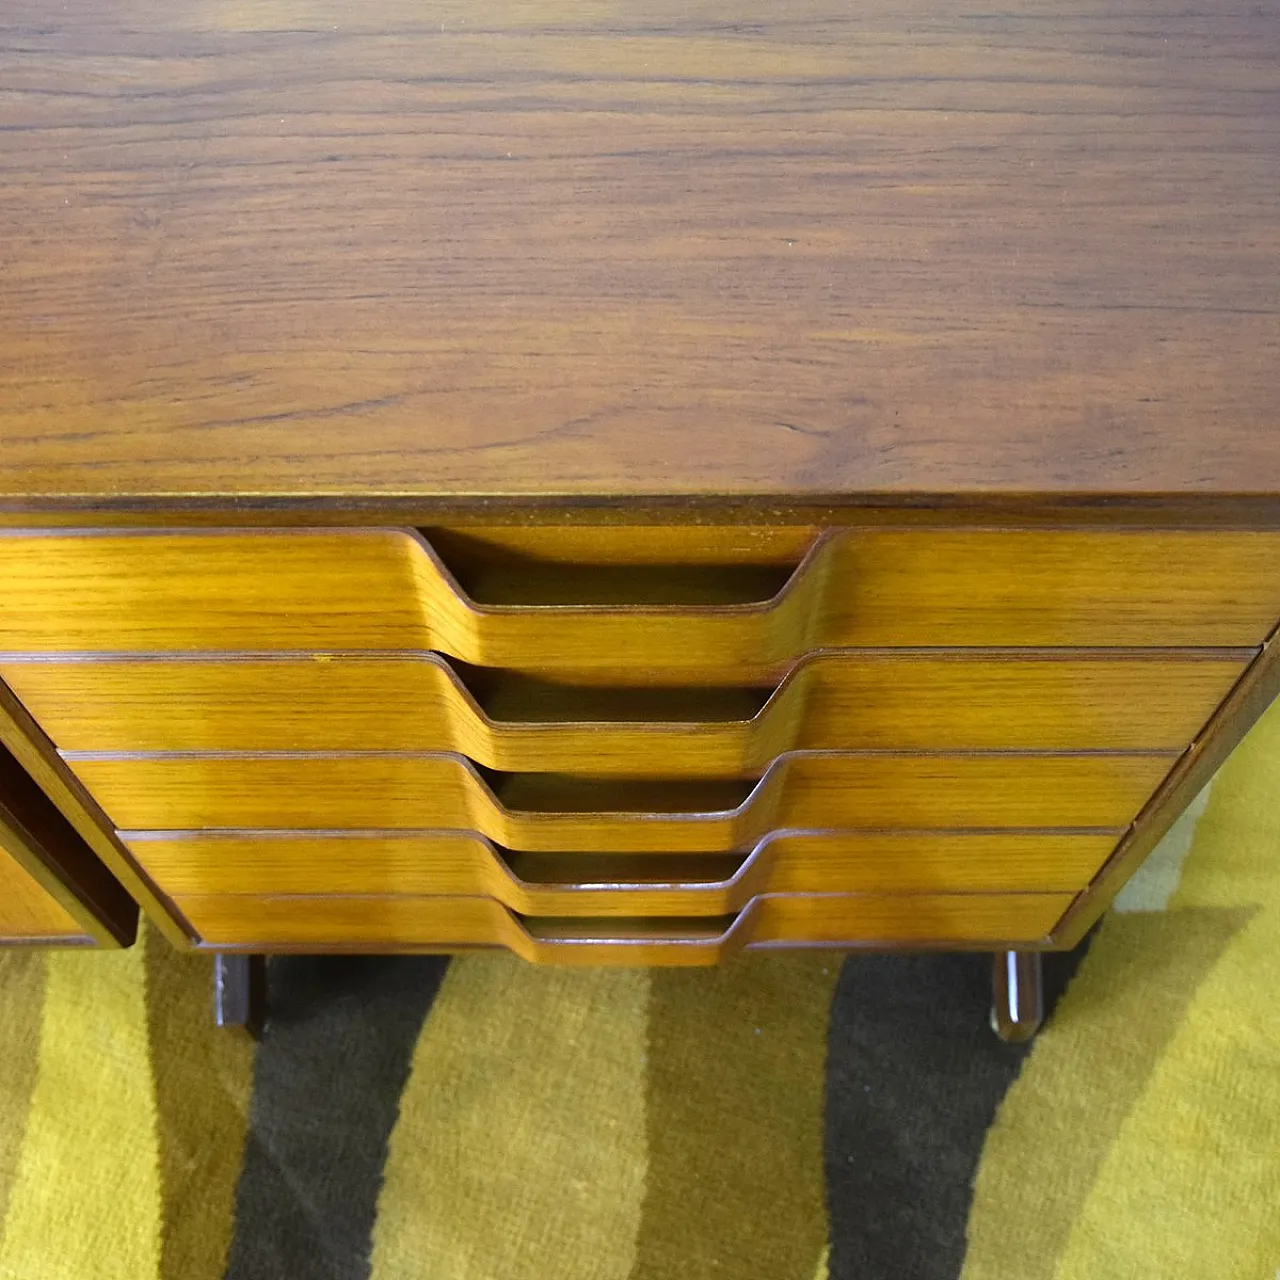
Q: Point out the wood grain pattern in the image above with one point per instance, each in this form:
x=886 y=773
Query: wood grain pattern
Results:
x=968 y=509
x=804 y=266
x=26 y=910
x=959 y=701
x=1256 y=691
x=479 y=553
x=386 y=589
x=555 y=814
x=52 y=884
x=80 y=842
x=590 y=884
x=296 y=249
x=408 y=923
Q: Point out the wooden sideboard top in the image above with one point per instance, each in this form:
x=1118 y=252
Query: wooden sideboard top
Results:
x=274 y=250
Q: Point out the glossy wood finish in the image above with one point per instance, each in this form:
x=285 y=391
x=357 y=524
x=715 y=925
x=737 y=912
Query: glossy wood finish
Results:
x=386 y=589
x=603 y=884
x=52 y=887
x=799 y=268
x=407 y=924
x=966 y=509
x=79 y=846
x=1256 y=691
x=556 y=814
x=311 y=249
x=417 y=702
x=27 y=911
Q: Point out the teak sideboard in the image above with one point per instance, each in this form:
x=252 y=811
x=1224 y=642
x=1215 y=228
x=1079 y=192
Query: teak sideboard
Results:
x=627 y=485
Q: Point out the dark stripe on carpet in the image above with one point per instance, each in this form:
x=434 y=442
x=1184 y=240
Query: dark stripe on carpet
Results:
x=914 y=1077
x=326 y=1093
x=734 y=1120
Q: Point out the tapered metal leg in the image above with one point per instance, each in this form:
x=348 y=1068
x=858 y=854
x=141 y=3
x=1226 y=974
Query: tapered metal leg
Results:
x=1017 y=1007
x=240 y=992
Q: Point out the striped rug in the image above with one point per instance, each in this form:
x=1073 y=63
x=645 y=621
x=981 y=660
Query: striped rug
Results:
x=785 y=1118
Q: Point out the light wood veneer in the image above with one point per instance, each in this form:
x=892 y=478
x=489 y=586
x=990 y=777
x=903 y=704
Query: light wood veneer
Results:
x=444 y=923
x=554 y=813
x=27 y=911
x=387 y=590
x=604 y=884
x=848 y=701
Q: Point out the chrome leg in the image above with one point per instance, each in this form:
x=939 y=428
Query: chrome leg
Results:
x=240 y=991
x=1017 y=1007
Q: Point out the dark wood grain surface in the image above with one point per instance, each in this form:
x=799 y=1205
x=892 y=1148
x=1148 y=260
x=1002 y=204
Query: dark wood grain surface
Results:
x=611 y=250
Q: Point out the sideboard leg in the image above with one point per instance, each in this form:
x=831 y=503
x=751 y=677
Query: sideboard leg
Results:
x=1017 y=1007
x=240 y=991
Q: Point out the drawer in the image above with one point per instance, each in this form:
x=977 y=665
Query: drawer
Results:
x=700 y=615
x=515 y=724
x=553 y=813
x=593 y=884
x=27 y=912
x=447 y=924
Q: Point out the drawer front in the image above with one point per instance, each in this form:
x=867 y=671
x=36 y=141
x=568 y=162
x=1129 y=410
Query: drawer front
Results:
x=27 y=912
x=448 y=924
x=553 y=814
x=848 y=701
x=592 y=884
x=388 y=590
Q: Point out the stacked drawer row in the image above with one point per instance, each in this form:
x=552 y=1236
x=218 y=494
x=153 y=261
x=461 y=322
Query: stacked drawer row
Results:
x=632 y=744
